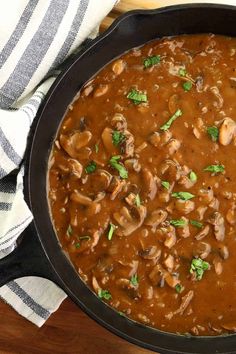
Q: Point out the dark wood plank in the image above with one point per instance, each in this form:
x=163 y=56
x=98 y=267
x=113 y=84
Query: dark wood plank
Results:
x=68 y=330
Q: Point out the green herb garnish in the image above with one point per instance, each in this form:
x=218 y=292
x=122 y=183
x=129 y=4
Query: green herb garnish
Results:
x=111 y=231
x=117 y=137
x=213 y=133
x=134 y=280
x=198 y=266
x=77 y=245
x=167 y=125
x=193 y=176
x=178 y=222
x=187 y=85
x=150 y=61
x=137 y=200
x=91 y=167
x=104 y=294
x=69 y=231
x=183 y=195
x=215 y=168
x=182 y=72
x=196 y=223
x=137 y=96
x=96 y=148
x=165 y=184
x=178 y=288
x=120 y=168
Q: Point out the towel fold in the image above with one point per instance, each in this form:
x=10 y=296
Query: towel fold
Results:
x=35 y=38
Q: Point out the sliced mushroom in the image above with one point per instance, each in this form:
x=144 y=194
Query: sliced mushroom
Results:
x=172 y=146
x=170 y=236
x=149 y=184
x=186 y=182
x=171 y=170
x=156 y=218
x=218 y=266
x=130 y=199
x=79 y=198
x=158 y=274
x=107 y=141
x=100 y=180
x=227 y=131
x=231 y=216
x=160 y=139
x=101 y=90
x=73 y=143
x=132 y=164
x=150 y=253
x=220 y=101
x=184 y=206
x=201 y=211
x=118 y=66
x=173 y=103
x=202 y=250
x=203 y=233
x=119 y=122
x=217 y=220
x=127 y=145
x=72 y=166
x=224 y=251
x=169 y=263
x=184 y=231
x=95 y=284
x=116 y=186
x=127 y=222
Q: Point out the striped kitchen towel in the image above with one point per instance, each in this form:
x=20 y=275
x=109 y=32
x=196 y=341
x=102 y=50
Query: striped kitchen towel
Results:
x=36 y=36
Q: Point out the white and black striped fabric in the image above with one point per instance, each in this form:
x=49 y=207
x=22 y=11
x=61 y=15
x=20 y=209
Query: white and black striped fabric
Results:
x=36 y=36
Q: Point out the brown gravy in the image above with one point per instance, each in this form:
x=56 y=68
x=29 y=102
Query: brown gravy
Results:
x=142 y=184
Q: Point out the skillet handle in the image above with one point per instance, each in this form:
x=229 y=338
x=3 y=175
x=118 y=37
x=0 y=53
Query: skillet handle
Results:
x=28 y=259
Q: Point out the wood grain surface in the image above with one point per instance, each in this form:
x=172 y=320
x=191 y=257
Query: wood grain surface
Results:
x=68 y=330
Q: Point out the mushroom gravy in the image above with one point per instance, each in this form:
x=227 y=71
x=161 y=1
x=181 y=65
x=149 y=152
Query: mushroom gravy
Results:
x=142 y=184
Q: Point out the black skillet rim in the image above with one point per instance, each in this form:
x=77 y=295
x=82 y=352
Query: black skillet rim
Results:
x=133 y=332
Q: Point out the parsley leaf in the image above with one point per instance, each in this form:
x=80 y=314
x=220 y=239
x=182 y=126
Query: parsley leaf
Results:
x=111 y=231
x=77 y=245
x=167 y=125
x=134 y=280
x=137 y=200
x=120 y=168
x=91 y=167
x=150 y=61
x=178 y=223
x=117 y=137
x=196 y=223
x=213 y=133
x=187 y=86
x=165 y=184
x=178 y=288
x=215 y=168
x=193 y=176
x=198 y=266
x=182 y=72
x=137 y=96
x=183 y=195
x=96 y=147
x=104 y=294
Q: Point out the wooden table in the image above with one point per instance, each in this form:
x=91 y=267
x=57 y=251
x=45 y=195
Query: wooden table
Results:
x=68 y=330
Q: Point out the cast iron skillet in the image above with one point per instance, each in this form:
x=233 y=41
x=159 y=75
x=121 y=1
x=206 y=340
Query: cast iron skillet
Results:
x=39 y=252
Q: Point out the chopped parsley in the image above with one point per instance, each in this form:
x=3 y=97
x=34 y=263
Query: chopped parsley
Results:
x=96 y=148
x=104 y=294
x=193 y=176
x=215 y=168
x=198 y=267
x=91 y=167
x=165 y=184
x=178 y=222
x=183 y=195
x=182 y=72
x=111 y=231
x=196 y=223
x=137 y=200
x=117 y=137
x=77 y=245
x=120 y=168
x=137 y=96
x=168 y=124
x=69 y=231
x=178 y=288
x=213 y=133
x=150 y=61
x=187 y=86
x=134 y=280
